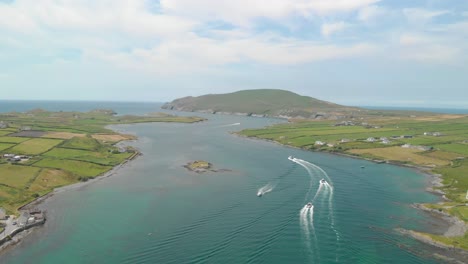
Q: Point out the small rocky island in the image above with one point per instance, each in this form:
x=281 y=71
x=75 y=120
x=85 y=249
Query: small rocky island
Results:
x=201 y=166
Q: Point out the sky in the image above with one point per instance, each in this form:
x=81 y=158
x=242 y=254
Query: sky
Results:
x=354 y=52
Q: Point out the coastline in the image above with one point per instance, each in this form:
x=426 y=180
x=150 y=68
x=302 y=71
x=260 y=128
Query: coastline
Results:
x=456 y=226
x=16 y=239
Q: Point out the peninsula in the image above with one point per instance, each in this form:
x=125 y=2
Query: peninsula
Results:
x=436 y=144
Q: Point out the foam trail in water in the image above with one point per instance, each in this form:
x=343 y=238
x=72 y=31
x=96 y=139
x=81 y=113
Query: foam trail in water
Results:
x=266 y=189
x=311 y=174
x=328 y=190
x=318 y=191
x=235 y=124
x=306 y=219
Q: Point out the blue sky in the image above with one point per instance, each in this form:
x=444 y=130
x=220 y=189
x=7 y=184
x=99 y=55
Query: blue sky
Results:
x=355 y=52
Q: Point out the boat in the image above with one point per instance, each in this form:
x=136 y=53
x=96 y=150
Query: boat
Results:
x=322 y=181
x=309 y=205
x=259 y=194
x=290 y=158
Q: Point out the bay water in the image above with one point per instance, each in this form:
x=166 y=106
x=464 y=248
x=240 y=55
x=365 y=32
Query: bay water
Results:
x=153 y=210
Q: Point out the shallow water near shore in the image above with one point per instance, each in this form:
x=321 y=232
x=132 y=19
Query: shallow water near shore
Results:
x=155 y=211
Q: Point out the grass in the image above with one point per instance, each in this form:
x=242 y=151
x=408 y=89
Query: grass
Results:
x=4 y=146
x=17 y=176
x=461 y=149
x=35 y=146
x=406 y=155
x=48 y=179
x=5 y=132
x=80 y=168
x=86 y=143
x=102 y=157
x=13 y=139
x=459 y=242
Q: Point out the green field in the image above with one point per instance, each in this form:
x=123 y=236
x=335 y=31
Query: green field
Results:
x=17 y=176
x=13 y=139
x=49 y=179
x=80 y=168
x=103 y=157
x=461 y=149
x=4 y=132
x=4 y=146
x=35 y=146
x=86 y=143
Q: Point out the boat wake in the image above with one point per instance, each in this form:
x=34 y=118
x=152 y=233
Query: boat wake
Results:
x=324 y=191
x=265 y=189
x=234 y=124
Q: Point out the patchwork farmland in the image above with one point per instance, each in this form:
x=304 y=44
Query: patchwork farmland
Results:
x=41 y=150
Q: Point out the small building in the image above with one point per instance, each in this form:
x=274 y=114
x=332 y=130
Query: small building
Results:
x=344 y=140
x=330 y=145
x=406 y=146
x=370 y=139
x=2 y=214
x=406 y=136
x=437 y=134
x=3 y=125
x=319 y=143
x=427 y=133
x=386 y=141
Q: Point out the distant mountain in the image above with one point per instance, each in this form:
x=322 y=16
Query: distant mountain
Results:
x=263 y=102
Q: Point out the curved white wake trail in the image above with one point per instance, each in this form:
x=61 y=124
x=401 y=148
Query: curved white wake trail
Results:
x=318 y=192
x=266 y=189
x=319 y=169
x=311 y=174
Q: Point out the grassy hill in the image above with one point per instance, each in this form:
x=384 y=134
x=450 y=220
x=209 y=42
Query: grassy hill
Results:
x=265 y=102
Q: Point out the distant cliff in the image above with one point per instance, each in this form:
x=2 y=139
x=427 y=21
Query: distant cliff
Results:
x=264 y=102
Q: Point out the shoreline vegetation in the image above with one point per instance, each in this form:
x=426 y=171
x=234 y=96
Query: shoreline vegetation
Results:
x=434 y=144
x=44 y=152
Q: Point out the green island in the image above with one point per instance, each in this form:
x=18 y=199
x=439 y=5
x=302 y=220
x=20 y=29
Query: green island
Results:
x=43 y=150
x=434 y=143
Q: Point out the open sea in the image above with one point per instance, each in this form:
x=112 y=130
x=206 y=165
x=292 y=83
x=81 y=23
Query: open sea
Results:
x=152 y=210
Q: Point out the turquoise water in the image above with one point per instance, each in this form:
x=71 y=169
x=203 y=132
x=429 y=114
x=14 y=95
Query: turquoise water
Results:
x=155 y=211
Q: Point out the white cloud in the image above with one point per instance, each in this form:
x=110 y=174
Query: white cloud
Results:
x=332 y=28
x=429 y=48
x=242 y=12
x=200 y=54
x=371 y=13
x=422 y=16
x=129 y=17
x=168 y=41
